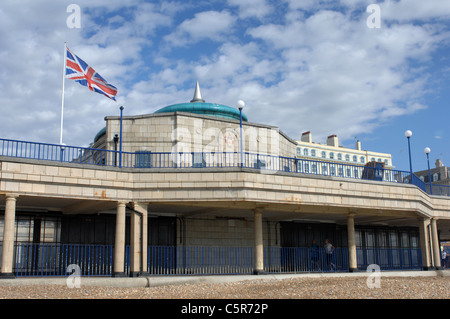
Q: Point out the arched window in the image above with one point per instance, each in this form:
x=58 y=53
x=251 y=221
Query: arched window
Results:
x=324 y=154
x=305 y=152
x=299 y=151
x=355 y=158
x=313 y=153
x=362 y=159
x=339 y=156
x=347 y=157
x=331 y=155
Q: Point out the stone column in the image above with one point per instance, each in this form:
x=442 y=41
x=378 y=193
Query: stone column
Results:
x=436 y=248
x=8 y=237
x=425 y=243
x=259 y=245
x=139 y=240
x=352 y=261
x=119 y=246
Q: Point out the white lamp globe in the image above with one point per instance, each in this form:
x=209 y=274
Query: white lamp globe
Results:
x=240 y=104
x=408 y=133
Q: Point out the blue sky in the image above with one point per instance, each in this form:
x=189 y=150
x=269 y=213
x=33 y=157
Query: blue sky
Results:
x=300 y=65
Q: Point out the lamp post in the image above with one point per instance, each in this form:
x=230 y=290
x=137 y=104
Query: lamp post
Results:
x=116 y=140
x=408 y=135
x=120 y=140
x=427 y=151
x=240 y=105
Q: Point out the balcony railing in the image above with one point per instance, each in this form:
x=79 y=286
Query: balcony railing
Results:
x=266 y=163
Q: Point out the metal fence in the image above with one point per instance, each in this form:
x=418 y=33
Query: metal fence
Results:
x=55 y=259
x=264 y=162
x=390 y=258
x=97 y=260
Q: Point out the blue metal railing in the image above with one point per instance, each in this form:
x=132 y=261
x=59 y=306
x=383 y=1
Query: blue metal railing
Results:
x=141 y=159
x=390 y=258
x=54 y=259
x=97 y=260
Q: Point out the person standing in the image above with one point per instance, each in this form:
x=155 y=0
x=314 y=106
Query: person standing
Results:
x=329 y=249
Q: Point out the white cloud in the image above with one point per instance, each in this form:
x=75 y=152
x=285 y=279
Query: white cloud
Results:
x=407 y=10
x=251 y=8
x=211 y=25
x=313 y=67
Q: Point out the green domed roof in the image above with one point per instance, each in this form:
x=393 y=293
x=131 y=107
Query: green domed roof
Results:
x=204 y=108
x=199 y=106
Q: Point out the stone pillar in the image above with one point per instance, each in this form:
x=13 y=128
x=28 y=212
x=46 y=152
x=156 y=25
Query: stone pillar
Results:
x=352 y=261
x=436 y=248
x=138 y=244
x=425 y=243
x=119 y=246
x=259 y=245
x=8 y=237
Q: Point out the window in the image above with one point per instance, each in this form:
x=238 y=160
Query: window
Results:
x=355 y=158
x=324 y=154
x=331 y=155
x=313 y=152
x=339 y=156
x=305 y=152
x=372 y=159
x=299 y=151
x=314 y=168
x=198 y=160
x=386 y=162
x=347 y=157
x=362 y=159
x=435 y=177
x=143 y=159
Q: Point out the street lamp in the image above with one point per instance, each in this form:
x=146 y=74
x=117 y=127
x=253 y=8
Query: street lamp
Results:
x=240 y=105
x=116 y=140
x=408 y=135
x=427 y=151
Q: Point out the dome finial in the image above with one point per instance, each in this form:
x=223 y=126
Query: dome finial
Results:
x=197 y=95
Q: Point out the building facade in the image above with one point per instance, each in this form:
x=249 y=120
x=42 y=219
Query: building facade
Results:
x=439 y=177
x=178 y=195
x=333 y=152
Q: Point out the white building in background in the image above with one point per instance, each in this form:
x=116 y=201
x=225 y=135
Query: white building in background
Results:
x=333 y=152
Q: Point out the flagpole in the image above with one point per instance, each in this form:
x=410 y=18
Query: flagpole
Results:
x=62 y=98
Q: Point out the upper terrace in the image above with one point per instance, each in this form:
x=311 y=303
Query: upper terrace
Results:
x=269 y=164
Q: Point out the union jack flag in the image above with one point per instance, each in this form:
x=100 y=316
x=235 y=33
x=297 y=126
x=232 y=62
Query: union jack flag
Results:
x=81 y=72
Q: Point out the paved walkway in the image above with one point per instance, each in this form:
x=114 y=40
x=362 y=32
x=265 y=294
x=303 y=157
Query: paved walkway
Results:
x=154 y=281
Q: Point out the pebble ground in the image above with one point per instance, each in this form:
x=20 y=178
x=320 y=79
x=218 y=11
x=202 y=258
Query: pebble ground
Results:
x=297 y=288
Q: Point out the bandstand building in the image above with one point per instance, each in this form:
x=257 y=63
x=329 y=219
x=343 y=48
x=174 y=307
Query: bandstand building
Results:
x=196 y=188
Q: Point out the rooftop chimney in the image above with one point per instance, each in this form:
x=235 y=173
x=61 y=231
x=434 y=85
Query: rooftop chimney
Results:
x=358 y=145
x=439 y=163
x=307 y=137
x=332 y=140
